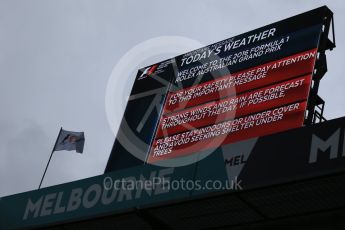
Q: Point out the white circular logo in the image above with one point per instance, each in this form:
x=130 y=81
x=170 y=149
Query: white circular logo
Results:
x=121 y=81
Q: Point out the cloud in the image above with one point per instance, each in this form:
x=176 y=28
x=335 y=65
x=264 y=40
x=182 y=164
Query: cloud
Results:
x=25 y=149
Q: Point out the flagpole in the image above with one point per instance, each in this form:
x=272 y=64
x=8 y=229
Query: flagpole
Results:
x=50 y=158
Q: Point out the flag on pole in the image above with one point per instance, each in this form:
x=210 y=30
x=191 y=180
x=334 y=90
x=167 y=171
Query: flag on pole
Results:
x=68 y=140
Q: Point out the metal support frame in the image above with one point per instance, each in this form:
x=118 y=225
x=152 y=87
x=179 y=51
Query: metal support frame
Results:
x=315 y=103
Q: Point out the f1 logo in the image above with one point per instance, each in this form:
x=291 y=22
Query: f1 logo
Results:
x=147 y=72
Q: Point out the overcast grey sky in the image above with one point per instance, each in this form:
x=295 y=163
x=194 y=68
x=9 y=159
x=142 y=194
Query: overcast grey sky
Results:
x=56 y=58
